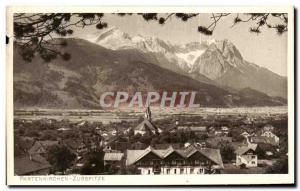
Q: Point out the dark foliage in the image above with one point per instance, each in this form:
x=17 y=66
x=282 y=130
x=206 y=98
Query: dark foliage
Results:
x=94 y=164
x=279 y=167
x=60 y=157
x=227 y=152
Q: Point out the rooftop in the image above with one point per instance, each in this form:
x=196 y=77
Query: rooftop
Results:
x=213 y=154
x=28 y=165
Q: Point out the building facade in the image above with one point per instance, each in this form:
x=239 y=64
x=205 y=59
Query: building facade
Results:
x=246 y=156
x=190 y=160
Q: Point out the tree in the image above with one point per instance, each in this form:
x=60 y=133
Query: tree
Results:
x=227 y=152
x=33 y=32
x=279 y=167
x=94 y=164
x=259 y=20
x=32 y=133
x=60 y=157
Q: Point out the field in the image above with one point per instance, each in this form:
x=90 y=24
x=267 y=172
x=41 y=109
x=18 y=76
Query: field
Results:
x=107 y=116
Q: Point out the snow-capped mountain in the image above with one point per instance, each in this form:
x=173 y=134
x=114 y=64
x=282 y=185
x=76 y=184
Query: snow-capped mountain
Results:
x=187 y=56
x=116 y=39
x=183 y=55
x=219 y=61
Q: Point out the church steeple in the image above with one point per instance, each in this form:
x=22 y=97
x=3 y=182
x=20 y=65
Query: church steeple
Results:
x=148 y=113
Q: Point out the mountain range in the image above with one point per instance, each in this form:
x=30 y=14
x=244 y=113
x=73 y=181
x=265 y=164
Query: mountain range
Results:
x=220 y=61
x=115 y=61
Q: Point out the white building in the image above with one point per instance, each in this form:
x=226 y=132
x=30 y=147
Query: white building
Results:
x=246 y=155
x=269 y=134
x=190 y=160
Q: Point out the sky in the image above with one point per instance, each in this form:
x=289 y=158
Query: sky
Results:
x=267 y=49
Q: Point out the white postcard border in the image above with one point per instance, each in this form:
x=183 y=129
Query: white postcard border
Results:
x=222 y=179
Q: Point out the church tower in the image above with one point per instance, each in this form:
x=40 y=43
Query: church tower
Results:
x=148 y=113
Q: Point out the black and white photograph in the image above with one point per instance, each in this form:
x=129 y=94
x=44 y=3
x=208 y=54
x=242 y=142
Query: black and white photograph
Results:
x=166 y=94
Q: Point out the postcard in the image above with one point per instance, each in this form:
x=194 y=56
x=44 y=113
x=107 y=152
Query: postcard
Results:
x=113 y=96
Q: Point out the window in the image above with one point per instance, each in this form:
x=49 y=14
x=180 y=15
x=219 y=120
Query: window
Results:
x=175 y=171
x=253 y=157
x=173 y=162
x=197 y=162
x=168 y=171
x=191 y=170
x=181 y=171
x=151 y=162
x=201 y=171
x=253 y=162
x=149 y=171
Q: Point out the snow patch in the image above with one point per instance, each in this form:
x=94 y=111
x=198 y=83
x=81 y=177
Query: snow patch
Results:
x=211 y=41
x=190 y=57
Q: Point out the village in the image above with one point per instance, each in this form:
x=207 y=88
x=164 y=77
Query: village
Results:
x=211 y=144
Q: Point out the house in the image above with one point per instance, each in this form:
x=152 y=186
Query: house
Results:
x=189 y=160
x=245 y=134
x=270 y=134
x=113 y=159
x=218 y=133
x=248 y=121
x=268 y=127
x=105 y=139
x=246 y=155
x=76 y=146
x=199 y=130
x=225 y=130
x=146 y=126
x=114 y=132
x=201 y=144
x=41 y=147
x=23 y=144
x=31 y=165
x=80 y=161
x=221 y=131
x=265 y=139
x=211 y=131
x=182 y=128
